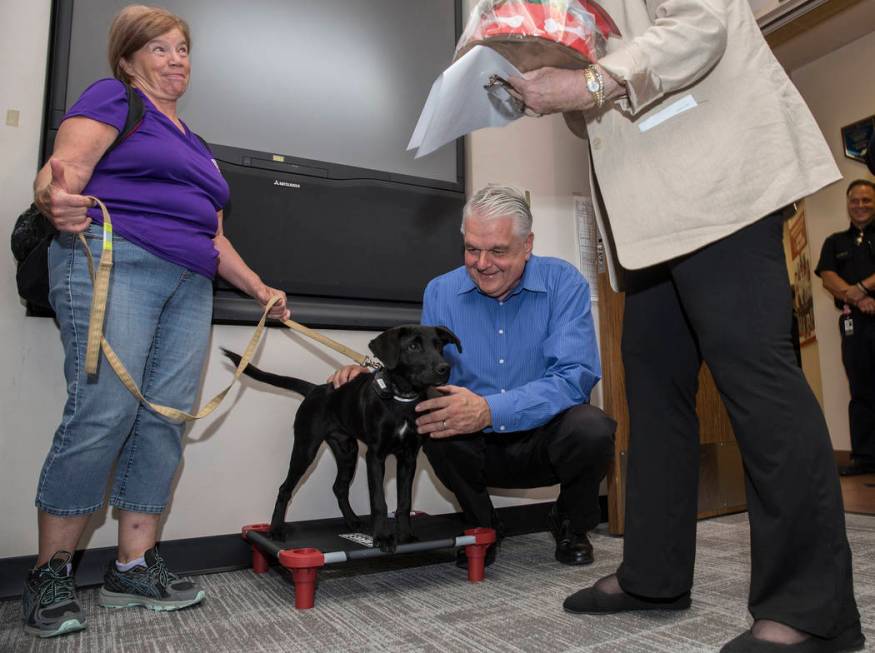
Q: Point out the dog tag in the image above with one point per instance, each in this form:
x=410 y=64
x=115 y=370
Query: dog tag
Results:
x=848 y=326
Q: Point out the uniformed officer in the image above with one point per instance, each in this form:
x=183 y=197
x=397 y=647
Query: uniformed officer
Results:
x=847 y=269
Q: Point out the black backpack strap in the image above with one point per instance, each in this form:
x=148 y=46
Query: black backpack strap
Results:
x=136 y=110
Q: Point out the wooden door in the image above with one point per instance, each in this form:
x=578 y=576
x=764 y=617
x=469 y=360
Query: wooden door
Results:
x=721 y=477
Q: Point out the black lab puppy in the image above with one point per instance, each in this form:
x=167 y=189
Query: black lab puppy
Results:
x=376 y=408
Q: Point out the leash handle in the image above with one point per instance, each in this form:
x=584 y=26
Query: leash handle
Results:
x=100 y=283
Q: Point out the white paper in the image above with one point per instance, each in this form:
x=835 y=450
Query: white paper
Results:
x=675 y=108
x=458 y=103
x=591 y=255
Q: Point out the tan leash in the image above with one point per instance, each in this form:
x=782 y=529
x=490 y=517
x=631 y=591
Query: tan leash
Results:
x=96 y=341
x=365 y=361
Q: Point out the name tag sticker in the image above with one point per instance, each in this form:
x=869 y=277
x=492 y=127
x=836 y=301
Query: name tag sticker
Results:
x=675 y=108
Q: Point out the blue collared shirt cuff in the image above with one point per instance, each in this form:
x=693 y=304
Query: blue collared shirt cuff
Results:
x=504 y=418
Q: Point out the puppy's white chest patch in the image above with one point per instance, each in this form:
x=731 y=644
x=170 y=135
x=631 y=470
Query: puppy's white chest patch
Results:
x=403 y=430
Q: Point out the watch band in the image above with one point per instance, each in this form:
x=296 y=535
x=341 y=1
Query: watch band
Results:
x=595 y=84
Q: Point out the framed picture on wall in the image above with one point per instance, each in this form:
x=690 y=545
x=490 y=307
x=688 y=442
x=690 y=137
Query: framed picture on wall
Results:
x=856 y=137
x=799 y=269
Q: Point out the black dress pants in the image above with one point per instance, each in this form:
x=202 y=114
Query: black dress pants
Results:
x=574 y=449
x=729 y=304
x=858 y=357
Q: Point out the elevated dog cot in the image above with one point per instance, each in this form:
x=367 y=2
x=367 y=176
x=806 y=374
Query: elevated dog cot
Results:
x=309 y=547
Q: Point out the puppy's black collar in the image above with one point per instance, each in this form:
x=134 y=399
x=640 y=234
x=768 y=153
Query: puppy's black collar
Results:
x=384 y=389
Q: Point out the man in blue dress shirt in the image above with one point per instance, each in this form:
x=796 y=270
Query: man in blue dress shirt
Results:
x=515 y=413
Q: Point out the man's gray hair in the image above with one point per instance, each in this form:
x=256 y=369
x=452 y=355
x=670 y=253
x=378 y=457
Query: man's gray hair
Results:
x=496 y=201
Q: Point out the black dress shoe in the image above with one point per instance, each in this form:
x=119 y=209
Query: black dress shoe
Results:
x=593 y=601
x=574 y=549
x=850 y=639
x=571 y=548
x=462 y=559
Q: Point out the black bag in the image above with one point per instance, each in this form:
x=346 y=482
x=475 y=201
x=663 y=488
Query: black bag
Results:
x=33 y=232
x=30 y=241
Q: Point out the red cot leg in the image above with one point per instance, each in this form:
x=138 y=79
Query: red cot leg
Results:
x=303 y=564
x=477 y=552
x=260 y=563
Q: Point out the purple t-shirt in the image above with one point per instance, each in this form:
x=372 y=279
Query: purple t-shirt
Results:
x=162 y=187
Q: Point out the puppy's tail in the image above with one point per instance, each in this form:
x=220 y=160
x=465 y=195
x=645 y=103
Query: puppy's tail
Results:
x=287 y=382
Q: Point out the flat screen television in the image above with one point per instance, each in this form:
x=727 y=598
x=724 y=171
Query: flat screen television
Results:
x=308 y=106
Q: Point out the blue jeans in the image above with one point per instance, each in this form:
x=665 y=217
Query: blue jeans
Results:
x=158 y=322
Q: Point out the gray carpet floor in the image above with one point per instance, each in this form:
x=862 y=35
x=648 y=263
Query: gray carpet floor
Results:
x=432 y=608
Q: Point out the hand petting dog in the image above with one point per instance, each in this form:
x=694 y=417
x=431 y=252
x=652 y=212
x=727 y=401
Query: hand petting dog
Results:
x=346 y=374
x=457 y=412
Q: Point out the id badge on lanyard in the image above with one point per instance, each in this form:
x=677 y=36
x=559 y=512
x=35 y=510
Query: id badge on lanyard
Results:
x=848 y=326
x=847 y=321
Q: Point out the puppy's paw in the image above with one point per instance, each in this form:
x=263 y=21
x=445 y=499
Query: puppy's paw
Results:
x=353 y=524
x=385 y=541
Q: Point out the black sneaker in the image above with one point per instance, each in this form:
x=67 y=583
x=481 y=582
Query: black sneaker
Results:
x=49 y=602
x=153 y=586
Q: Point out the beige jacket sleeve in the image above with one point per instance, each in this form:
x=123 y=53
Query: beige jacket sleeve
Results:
x=687 y=38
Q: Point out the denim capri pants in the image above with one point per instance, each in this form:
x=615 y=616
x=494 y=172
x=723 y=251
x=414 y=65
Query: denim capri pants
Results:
x=158 y=322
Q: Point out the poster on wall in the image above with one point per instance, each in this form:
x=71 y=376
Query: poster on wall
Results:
x=589 y=246
x=800 y=276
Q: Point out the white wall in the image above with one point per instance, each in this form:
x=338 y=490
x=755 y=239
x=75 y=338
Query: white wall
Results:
x=840 y=89
x=32 y=383
x=235 y=458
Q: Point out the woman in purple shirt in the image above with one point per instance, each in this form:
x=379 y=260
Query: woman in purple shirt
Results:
x=165 y=194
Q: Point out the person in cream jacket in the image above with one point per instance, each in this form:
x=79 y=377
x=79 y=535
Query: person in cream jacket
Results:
x=698 y=139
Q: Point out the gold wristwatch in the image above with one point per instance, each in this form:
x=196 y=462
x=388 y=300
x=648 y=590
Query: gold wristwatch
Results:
x=595 y=84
